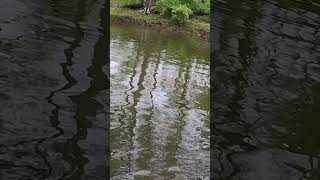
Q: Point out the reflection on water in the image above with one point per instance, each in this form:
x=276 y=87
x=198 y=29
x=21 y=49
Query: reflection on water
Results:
x=53 y=89
x=266 y=79
x=159 y=105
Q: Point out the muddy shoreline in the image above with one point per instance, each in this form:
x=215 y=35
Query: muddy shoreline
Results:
x=158 y=23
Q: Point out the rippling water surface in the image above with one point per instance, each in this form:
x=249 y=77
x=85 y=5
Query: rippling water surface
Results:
x=159 y=105
x=53 y=89
x=266 y=90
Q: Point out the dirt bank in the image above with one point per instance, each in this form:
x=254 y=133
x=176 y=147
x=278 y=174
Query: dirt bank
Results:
x=196 y=27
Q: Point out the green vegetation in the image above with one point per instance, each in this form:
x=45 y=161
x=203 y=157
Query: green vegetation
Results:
x=130 y=3
x=179 y=15
x=178 y=10
x=181 y=10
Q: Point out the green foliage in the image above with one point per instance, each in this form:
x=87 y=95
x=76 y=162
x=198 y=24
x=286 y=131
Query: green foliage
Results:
x=204 y=8
x=181 y=10
x=164 y=7
x=181 y=13
x=198 y=6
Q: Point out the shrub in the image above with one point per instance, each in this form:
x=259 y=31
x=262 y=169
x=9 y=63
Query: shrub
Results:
x=164 y=7
x=204 y=8
x=198 y=6
x=182 y=8
x=181 y=13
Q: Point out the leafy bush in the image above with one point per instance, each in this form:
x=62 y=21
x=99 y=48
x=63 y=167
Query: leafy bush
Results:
x=164 y=7
x=181 y=13
x=198 y=6
x=204 y=8
x=181 y=10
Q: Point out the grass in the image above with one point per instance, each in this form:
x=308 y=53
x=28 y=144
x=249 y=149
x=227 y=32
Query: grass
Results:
x=197 y=26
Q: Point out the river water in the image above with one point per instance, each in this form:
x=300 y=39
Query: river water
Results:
x=266 y=90
x=54 y=94
x=53 y=89
x=159 y=105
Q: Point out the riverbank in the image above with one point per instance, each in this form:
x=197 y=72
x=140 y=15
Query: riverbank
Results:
x=198 y=26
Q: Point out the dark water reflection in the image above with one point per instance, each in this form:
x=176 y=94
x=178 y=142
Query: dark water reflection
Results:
x=266 y=79
x=159 y=105
x=53 y=94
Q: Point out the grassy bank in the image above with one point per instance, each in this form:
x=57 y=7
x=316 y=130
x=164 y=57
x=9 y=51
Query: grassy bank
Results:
x=197 y=26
